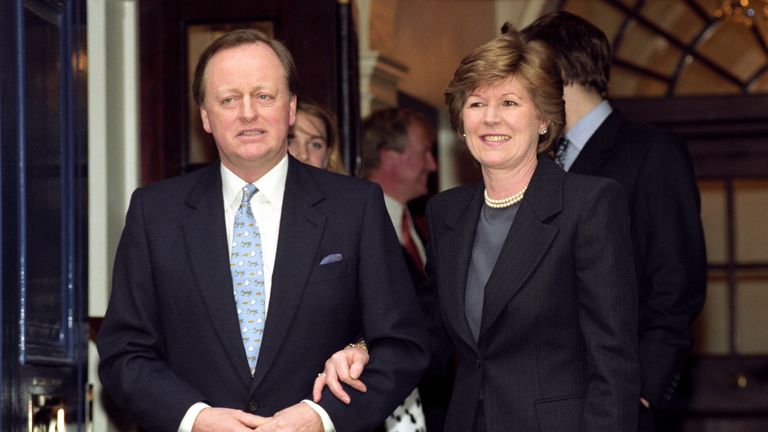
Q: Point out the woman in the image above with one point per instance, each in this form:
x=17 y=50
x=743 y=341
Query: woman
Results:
x=532 y=265
x=313 y=138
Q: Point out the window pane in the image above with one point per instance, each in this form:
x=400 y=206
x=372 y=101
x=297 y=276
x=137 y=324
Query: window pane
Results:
x=607 y=18
x=45 y=267
x=713 y=216
x=751 y=208
x=644 y=47
x=733 y=47
x=710 y=332
x=674 y=17
x=698 y=79
x=760 y=85
x=628 y=83
x=752 y=319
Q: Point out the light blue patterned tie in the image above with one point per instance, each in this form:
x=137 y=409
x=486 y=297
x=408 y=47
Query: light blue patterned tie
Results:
x=247 y=265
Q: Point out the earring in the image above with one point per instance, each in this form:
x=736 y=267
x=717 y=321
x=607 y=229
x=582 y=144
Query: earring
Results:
x=543 y=131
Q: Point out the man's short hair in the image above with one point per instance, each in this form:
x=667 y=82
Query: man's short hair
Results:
x=387 y=129
x=581 y=49
x=235 y=39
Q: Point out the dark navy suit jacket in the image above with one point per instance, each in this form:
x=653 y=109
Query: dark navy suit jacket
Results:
x=655 y=171
x=170 y=337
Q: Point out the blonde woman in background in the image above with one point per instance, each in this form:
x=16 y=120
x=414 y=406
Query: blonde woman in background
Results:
x=314 y=139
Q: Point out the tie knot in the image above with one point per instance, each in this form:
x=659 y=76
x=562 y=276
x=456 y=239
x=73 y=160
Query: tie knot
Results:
x=248 y=191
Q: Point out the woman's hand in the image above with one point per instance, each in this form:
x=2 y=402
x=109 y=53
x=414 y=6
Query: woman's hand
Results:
x=344 y=366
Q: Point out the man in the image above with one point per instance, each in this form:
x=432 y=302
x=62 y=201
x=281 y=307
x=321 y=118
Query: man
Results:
x=397 y=155
x=655 y=170
x=233 y=284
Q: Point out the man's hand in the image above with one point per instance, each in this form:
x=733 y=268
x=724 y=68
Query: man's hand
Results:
x=296 y=418
x=345 y=366
x=226 y=420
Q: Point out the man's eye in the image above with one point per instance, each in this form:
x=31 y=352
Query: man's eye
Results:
x=264 y=98
x=227 y=101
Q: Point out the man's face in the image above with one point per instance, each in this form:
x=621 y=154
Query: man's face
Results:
x=248 y=108
x=415 y=162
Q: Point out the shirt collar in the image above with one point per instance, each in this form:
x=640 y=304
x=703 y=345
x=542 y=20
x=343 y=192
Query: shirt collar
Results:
x=395 y=208
x=271 y=185
x=582 y=131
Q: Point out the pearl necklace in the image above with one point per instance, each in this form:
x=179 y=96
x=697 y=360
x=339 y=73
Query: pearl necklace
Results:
x=504 y=202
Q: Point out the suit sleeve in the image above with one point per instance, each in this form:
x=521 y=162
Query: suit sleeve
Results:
x=607 y=302
x=392 y=322
x=132 y=367
x=672 y=266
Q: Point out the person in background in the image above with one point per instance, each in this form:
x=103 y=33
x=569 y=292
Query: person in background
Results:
x=396 y=150
x=533 y=266
x=233 y=284
x=314 y=138
x=655 y=170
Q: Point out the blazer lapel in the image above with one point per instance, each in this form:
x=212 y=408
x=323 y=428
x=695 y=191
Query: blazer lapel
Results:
x=205 y=235
x=301 y=229
x=528 y=240
x=455 y=252
x=597 y=149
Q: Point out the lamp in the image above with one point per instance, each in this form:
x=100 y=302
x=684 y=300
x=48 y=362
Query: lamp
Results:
x=744 y=12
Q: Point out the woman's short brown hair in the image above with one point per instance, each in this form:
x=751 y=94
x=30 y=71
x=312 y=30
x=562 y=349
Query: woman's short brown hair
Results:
x=235 y=39
x=509 y=55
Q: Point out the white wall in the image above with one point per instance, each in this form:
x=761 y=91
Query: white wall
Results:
x=113 y=150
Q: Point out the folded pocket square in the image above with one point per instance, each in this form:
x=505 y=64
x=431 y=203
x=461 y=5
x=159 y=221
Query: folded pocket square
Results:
x=332 y=258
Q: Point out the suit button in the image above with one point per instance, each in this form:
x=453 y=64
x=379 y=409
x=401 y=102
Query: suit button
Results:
x=479 y=364
x=253 y=406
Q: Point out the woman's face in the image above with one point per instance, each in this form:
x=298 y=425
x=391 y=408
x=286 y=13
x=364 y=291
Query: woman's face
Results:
x=307 y=142
x=502 y=125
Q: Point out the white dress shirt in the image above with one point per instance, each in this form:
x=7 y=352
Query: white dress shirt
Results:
x=582 y=131
x=266 y=205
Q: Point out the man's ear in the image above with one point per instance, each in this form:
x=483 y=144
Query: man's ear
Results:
x=204 y=117
x=292 y=114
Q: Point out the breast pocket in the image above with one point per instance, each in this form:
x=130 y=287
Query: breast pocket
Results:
x=329 y=271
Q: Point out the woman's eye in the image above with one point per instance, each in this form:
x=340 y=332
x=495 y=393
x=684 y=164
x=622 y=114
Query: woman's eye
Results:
x=509 y=103
x=475 y=104
x=319 y=145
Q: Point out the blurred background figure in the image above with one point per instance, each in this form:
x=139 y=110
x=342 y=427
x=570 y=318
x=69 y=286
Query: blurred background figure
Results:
x=396 y=148
x=314 y=138
x=654 y=168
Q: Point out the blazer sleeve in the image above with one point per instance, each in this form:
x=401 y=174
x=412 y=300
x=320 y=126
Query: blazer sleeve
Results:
x=672 y=266
x=132 y=367
x=607 y=303
x=392 y=324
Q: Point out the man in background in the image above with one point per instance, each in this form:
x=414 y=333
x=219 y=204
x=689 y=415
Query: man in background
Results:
x=655 y=170
x=397 y=145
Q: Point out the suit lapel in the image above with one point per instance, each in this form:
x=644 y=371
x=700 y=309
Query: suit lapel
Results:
x=455 y=252
x=528 y=240
x=301 y=229
x=205 y=236
x=597 y=149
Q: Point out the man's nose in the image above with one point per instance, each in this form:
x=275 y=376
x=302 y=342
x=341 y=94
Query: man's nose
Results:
x=248 y=110
x=431 y=164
